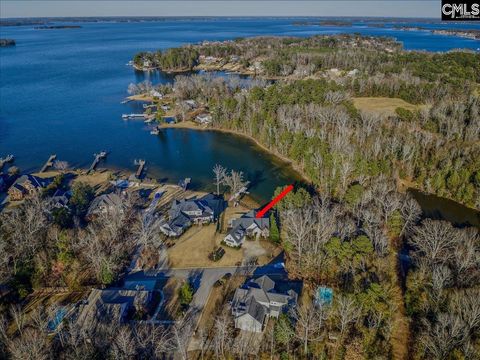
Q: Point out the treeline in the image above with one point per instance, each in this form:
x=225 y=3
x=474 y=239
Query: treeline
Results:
x=314 y=123
x=174 y=59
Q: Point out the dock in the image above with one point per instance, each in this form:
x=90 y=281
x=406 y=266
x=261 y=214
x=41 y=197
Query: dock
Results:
x=141 y=165
x=98 y=157
x=5 y=160
x=49 y=163
x=133 y=116
x=184 y=183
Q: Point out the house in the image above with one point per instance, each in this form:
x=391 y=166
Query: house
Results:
x=176 y=226
x=204 y=118
x=59 y=199
x=257 y=301
x=104 y=204
x=247 y=225
x=156 y=94
x=183 y=213
x=192 y=104
x=114 y=306
x=27 y=185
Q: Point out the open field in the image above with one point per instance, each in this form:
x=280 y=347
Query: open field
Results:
x=383 y=105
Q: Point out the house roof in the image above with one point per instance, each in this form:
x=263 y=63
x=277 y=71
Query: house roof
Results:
x=255 y=296
x=35 y=181
x=107 y=200
x=265 y=283
x=249 y=219
x=237 y=233
x=109 y=305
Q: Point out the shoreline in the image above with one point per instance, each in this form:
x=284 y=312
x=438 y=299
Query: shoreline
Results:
x=193 y=126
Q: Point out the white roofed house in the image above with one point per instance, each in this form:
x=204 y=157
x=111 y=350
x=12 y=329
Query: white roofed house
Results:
x=204 y=118
x=247 y=226
x=257 y=301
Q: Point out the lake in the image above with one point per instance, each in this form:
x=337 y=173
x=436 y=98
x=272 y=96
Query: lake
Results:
x=60 y=92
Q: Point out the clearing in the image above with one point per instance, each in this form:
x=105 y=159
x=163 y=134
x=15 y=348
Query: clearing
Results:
x=383 y=105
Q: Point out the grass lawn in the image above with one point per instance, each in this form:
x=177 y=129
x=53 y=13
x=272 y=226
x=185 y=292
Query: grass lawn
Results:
x=193 y=247
x=383 y=105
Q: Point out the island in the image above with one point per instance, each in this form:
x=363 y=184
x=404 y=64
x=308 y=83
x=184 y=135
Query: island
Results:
x=7 y=42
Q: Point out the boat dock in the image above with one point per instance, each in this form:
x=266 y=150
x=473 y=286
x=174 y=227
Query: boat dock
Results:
x=98 y=157
x=133 y=116
x=49 y=163
x=7 y=159
x=141 y=165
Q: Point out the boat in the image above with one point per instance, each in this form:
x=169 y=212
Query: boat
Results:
x=155 y=131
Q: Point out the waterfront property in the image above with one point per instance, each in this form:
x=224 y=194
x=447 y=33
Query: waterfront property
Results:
x=183 y=213
x=104 y=204
x=204 y=119
x=247 y=226
x=59 y=199
x=26 y=186
x=258 y=300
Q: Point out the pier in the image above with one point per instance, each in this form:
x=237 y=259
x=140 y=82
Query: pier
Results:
x=98 y=157
x=49 y=163
x=141 y=165
x=7 y=159
x=133 y=116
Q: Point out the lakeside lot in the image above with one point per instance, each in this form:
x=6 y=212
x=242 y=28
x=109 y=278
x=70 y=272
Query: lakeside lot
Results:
x=194 y=246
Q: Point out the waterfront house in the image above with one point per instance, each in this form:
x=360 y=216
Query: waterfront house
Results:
x=156 y=94
x=204 y=118
x=104 y=204
x=176 y=226
x=59 y=199
x=247 y=226
x=27 y=185
x=183 y=213
x=258 y=300
x=112 y=306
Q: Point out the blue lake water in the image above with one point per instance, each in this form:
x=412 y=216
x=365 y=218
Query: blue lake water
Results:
x=60 y=92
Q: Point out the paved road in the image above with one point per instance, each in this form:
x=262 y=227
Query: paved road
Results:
x=203 y=279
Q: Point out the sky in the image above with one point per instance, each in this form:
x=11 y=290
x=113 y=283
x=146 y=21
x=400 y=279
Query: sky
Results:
x=377 y=8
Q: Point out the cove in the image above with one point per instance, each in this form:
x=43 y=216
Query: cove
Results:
x=439 y=208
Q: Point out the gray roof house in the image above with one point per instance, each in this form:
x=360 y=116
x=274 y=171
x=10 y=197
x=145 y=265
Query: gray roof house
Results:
x=111 y=306
x=105 y=203
x=257 y=301
x=247 y=225
x=59 y=199
x=184 y=213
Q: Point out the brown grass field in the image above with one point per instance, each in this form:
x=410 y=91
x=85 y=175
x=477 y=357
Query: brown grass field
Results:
x=383 y=105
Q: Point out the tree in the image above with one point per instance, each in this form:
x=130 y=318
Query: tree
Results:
x=236 y=182
x=185 y=294
x=274 y=232
x=82 y=195
x=309 y=324
x=220 y=173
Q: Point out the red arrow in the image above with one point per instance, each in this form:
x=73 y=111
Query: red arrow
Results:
x=274 y=201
